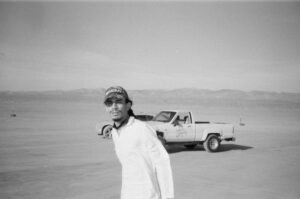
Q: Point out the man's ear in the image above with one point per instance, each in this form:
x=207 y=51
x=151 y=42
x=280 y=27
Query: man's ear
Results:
x=128 y=104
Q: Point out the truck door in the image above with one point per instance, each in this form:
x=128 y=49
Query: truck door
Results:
x=184 y=130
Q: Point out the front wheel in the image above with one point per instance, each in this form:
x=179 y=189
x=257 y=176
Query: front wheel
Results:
x=212 y=143
x=106 y=131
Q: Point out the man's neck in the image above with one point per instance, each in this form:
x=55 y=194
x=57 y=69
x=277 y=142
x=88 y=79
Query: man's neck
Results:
x=119 y=124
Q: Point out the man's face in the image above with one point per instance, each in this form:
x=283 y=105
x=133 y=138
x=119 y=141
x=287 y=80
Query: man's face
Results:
x=117 y=108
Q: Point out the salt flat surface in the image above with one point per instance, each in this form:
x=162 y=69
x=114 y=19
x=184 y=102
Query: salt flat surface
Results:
x=51 y=150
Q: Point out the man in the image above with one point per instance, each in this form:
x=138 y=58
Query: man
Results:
x=146 y=170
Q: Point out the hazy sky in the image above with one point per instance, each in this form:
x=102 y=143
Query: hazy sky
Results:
x=206 y=45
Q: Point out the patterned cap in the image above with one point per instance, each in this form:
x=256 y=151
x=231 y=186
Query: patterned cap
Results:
x=116 y=92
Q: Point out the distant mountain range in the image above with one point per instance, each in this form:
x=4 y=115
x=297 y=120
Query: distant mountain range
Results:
x=187 y=94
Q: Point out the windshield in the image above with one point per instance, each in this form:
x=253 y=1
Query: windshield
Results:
x=164 y=116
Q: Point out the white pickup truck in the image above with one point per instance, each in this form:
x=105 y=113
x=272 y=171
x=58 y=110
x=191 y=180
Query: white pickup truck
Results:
x=179 y=127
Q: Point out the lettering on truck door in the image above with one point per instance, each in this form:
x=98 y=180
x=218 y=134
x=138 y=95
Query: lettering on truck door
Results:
x=184 y=129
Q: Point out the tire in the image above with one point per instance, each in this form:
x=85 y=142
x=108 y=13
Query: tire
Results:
x=190 y=146
x=106 y=131
x=212 y=143
x=162 y=140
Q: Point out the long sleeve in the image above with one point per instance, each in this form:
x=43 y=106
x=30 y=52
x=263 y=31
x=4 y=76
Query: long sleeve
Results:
x=160 y=160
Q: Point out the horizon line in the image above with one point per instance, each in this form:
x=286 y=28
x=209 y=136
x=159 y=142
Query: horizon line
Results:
x=147 y=89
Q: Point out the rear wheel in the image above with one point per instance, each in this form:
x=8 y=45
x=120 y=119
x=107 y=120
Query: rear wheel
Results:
x=190 y=146
x=212 y=143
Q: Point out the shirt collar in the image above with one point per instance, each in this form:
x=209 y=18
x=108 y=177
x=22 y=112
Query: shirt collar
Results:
x=126 y=122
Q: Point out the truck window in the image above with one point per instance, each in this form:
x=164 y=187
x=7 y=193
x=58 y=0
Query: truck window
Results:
x=164 y=116
x=184 y=118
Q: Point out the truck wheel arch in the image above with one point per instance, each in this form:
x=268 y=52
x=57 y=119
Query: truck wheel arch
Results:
x=210 y=131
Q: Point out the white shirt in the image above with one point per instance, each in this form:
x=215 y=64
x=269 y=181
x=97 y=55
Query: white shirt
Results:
x=146 y=170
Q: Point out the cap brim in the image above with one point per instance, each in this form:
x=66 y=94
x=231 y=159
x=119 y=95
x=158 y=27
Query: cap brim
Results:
x=113 y=96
